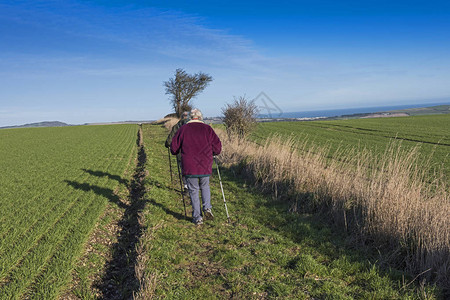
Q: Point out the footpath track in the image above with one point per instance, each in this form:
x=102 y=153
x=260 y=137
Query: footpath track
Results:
x=266 y=252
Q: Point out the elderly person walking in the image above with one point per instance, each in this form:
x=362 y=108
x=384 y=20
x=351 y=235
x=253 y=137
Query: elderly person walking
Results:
x=184 y=119
x=198 y=143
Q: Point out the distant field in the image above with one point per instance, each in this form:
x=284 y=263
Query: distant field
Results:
x=431 y=133
x=439 y=109
x=55 y=183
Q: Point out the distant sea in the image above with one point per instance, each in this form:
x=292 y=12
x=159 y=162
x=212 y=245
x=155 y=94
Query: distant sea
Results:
x=346 y=111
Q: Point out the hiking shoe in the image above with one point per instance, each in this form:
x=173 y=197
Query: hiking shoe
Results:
x=198 y=222
x=209 y=215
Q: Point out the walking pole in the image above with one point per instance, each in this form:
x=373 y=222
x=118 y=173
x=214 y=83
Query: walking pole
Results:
x=221 y=187
x=170 y=165
x=181 y=188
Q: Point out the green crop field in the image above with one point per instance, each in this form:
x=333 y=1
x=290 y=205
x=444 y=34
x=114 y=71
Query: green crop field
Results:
x=55 y=183
x=430 y=133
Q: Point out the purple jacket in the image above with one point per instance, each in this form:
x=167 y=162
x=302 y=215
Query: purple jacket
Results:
x=197 y=143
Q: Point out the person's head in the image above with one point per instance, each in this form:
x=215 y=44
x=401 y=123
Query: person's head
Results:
x=184 y=115
x=196 y=114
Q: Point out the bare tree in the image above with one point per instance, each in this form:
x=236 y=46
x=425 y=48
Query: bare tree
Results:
x=183 y=87
x=240 y=117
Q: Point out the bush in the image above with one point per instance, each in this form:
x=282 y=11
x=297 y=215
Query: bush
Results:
x=240 y=117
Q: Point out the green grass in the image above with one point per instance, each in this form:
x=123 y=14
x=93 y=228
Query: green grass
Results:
x=55 y=183
x=430 y=133
x=265 y=253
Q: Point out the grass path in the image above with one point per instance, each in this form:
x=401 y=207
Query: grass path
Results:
x=266 y=252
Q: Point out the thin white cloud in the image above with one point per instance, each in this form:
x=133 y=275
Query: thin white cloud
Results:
x=146 y=33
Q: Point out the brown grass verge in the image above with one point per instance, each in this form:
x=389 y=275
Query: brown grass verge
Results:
x=387 y=200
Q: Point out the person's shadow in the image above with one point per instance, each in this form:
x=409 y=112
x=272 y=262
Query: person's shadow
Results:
x=105 y=174
x=101 y=191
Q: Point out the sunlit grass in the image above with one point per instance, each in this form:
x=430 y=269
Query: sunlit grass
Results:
x=55 y=184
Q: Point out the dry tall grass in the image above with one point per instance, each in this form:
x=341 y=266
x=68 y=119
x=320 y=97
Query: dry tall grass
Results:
x=389 y=198
x=167 y=122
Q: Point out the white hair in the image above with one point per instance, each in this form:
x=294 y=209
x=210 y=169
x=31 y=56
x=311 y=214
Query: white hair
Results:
x=196 y=114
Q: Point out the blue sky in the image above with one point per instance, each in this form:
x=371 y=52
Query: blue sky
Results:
x=100 y=61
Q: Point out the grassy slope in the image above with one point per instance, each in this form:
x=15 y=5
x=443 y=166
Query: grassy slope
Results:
x=265 y=253
x=430 y=133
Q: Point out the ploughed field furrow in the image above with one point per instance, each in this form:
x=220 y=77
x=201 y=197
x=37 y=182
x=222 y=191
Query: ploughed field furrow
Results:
x=59 y=183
